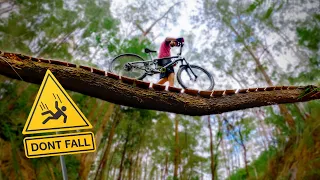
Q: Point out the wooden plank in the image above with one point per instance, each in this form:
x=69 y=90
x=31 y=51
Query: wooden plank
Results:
x=230 y=91
x=158 y=87
x=242 y=90
x=174 y=89
x=217 y=93
x=270 y=88
x=192 y=92
x=252 y=89
x=98 y=71
x=293 y=87
x=41 y=60
x=278 y=88
x=86 y=68
x=113 y=76
x=142 y=84
x=205 y=94
x=127 y=80
x=59 y=62
x=22 y=57
x=72 y=65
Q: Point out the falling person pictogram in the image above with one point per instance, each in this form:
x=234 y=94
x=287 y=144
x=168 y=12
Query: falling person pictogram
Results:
x=57 y=115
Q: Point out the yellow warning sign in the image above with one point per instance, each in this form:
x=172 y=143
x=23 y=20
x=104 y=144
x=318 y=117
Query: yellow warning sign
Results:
x=56 y=145
x=54 y=110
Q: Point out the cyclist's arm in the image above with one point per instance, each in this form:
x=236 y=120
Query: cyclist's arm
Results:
x=168 y=39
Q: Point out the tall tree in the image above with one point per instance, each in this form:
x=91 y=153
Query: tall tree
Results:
x=229 y=16
x=141 y=17
x=176 y=148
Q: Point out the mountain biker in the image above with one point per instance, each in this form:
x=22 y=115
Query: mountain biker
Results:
x=164 y=51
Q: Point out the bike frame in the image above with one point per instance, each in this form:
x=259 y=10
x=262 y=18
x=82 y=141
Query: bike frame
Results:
x=177 y=58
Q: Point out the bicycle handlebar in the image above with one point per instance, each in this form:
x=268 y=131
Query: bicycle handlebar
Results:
x=181 y=45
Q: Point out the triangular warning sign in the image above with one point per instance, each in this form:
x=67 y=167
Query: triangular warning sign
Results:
x=54 y=110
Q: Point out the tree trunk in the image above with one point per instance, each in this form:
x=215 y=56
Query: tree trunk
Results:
x=244 y=153
x=263 y=128
x=8 y=9
x=134 y=163
x=262 y=132
x=211 y=151
x=124 y=152
x=115 y=149
x=114 y=173
x=255 y=171
x=166 y=167
x=148 y=30
x=137 y=168
x=103 y=161
x=77 y=79
x=283 y=109
x=110 y=163
x=226 y=162
x=220 y=131
x=87 y=159
x=130 y=167
x=176 y=151
x=146 y=170
x=302 y=115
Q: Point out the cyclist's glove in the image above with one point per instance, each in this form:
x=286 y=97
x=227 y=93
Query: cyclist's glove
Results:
x=180 y=40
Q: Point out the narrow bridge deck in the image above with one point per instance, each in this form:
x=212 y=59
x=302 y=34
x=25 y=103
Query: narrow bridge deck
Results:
x=135 y=93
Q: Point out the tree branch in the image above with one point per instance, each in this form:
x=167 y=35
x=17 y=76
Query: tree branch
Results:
x=114 y=90
x=147 y=31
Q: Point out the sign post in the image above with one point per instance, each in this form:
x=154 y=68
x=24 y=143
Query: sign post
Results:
x=53 y=110
x=63 y=167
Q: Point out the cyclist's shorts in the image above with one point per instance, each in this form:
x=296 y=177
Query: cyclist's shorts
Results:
x=168 y=71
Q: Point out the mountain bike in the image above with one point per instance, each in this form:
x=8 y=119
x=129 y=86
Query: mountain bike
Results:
x=189 y=76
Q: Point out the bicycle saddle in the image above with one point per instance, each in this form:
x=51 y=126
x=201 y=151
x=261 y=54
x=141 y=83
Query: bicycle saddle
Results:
x=146 y=50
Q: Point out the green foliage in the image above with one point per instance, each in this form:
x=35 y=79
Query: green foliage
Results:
x=133 y=45
x=268 y=13
x=87 y=30
x=51 y=28
x=253 y=6
x=73 y=166
x=259 y=165
x=12 y=136
x=309 y=33
x=277 y=120
x=309 y=90
x=309 y=37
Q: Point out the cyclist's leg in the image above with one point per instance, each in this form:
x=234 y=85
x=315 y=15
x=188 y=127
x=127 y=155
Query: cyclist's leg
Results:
x=170 y=75
x=171 y=79
x=163 y=78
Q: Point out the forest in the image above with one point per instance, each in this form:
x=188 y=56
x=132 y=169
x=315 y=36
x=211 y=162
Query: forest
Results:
x=243 y=44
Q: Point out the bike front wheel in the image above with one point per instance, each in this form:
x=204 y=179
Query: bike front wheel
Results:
x=198 y=78
x=129 y=65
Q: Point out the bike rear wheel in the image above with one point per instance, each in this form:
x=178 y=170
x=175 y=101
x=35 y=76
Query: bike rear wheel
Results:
x=120 y=65
x=186 y=78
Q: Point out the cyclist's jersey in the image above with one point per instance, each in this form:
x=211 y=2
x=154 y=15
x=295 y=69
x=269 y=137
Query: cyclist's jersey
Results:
x=164 y=52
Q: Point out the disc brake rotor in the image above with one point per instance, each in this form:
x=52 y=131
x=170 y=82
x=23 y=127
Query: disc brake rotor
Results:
x=127 y=67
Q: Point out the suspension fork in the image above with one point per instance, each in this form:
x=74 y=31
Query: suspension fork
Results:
x=189 y=67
